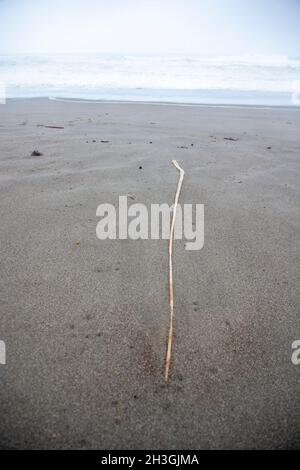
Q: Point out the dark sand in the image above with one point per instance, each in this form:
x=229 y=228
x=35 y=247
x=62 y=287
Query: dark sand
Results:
x=85 y=324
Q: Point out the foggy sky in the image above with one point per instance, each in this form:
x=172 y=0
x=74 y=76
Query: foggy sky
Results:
x=235 y=27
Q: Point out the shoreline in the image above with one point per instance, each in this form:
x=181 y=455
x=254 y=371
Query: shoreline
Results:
x=155 y=103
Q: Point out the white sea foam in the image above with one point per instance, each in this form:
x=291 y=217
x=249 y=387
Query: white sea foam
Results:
x=148 y=77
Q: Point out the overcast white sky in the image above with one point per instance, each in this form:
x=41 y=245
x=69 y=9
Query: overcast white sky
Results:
x=151 y=26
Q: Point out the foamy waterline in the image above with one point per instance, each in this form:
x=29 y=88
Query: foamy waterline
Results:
x=237 y=80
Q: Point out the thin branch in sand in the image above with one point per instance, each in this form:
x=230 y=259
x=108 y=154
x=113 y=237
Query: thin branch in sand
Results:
x=171 y=288
x=50 y=127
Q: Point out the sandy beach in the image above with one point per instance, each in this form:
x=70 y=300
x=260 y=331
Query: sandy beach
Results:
x=85 y=321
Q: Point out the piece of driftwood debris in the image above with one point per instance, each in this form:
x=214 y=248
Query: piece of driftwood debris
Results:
x=36 y=153
x=171 y=287
x=50 y=127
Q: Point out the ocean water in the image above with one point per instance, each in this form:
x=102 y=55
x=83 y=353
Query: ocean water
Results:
x=252 y=80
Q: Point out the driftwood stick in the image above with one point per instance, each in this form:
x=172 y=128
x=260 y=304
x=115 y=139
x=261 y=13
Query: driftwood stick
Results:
x=171 y=288
x=50 y=127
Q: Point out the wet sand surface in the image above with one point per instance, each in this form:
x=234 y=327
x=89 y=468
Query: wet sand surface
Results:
x=85 y=321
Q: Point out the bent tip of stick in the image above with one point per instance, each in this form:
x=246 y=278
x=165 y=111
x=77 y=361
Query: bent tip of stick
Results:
x=175 y=163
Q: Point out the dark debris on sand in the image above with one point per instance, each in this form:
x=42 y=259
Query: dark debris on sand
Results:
x=36 y=153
